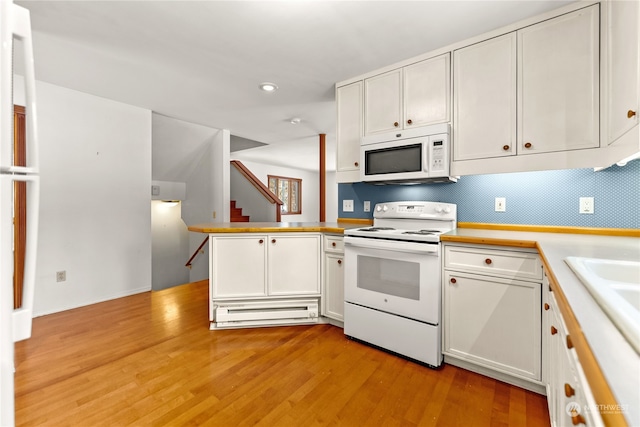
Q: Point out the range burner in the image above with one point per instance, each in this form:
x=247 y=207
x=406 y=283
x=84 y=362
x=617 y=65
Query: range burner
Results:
x=422 y=232
x=377 y=229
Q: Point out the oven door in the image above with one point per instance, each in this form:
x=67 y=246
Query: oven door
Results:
x=397 y=277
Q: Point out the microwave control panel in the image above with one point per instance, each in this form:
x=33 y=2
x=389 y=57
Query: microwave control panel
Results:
x=439 y=155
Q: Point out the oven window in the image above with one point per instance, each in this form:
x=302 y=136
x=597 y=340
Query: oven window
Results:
x=407 y=158
x=389 y=276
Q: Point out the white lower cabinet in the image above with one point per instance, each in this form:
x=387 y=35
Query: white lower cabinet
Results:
x=568 y=394
x=264 y=279
x=492 y=312
x=333 y=296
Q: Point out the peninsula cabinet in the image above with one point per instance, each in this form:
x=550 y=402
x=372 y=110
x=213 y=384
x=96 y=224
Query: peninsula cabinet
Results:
x=348 y=132
x=412 y=96
x=333 y=295
x=532 y=91
x=492 y=312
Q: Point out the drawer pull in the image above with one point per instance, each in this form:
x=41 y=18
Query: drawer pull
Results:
x=569 y=342
x=333 y=244
x=488 y=261
x=505 y=147
x=546 y=306
x=527 y=145
x=453 y=280
x=409 y=122
x=553 y=330
x=396 y=124
x=568 y=390
x=339 y=262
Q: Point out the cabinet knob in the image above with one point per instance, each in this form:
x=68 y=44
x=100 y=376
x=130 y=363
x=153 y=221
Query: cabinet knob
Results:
x=356 y=164
x=577 y=419
x=409 y=122
x=630 y=114
x=546 y=306
x=569 y=342
x=505 y=147
x=396 y=124
x=453 y=280
x=568 y=390
x=261 y=241
x=333 y=244
x=488 y=261
x=339 y=262
x=528 y=145
x=273 y=240
x=553 y=330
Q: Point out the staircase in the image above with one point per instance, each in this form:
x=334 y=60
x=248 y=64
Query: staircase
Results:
x=236 y=213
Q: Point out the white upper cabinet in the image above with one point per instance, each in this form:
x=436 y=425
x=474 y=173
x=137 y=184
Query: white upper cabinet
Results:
x=484 y=99
x=558 y=90
x=349 y=131
x=623 y=21
x=426 y=92
x=413 y=96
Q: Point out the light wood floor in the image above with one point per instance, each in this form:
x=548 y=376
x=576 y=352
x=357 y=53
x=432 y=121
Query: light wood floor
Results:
x=150 y=359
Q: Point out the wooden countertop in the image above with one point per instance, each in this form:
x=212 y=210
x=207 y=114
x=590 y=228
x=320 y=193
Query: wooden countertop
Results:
x=278 y=227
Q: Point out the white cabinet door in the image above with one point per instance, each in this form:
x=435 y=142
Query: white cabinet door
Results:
x=334 y=286
x=558 y=73
x=493 y=322
x=623 y=86
x=349 y=131
x=294 y=264
x=484 y=100
x=426 y=95
x=238 y=266
x=383 y=102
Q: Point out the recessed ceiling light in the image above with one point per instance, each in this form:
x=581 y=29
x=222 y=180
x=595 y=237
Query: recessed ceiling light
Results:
x=268 y=87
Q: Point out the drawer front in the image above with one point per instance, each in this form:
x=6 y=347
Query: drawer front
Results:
x=501 y=263
x=334 y=244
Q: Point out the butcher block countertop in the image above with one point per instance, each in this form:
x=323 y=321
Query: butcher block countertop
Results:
x=279 y=227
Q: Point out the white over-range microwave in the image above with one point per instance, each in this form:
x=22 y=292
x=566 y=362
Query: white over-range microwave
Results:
x=407 y=156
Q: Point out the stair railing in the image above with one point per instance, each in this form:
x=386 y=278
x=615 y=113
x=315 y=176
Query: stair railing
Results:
x=197 y=251
x=259 y=185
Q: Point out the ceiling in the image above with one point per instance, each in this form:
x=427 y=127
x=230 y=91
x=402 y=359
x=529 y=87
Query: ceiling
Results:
x=202 y=61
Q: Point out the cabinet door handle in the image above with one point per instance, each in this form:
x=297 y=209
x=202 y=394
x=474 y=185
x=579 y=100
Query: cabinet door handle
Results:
x=528 y=145
x=568 y=390
x=261 y=241
x=356 y=164
x=453 y=280
x=630 y=114
x=333 y=244
x=569 y=342
x=553 y=330
x=546 y=306
x=409 y=122
x=488 y=261
x=396 y=124
x=505 y=147
x=577 y=419
x=273 y=240
x=339 y=262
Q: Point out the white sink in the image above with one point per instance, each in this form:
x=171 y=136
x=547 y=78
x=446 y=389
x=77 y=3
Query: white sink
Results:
x=615 y=285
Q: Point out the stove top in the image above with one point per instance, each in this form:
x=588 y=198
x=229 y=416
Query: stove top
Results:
x=409 y=221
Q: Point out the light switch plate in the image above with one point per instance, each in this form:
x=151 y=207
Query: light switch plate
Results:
x=501 y=204
x=347 y=205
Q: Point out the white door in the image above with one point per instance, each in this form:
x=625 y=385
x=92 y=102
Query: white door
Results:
x=383 y=102
x=238 y=266
x=349 y=127
x=294 y=264
x=558 y=73
x=426 y=87
x=484 y=99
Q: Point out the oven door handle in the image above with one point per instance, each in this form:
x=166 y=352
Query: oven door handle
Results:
x=393 y=245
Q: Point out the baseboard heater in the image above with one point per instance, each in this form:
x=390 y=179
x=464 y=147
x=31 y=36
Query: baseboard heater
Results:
x=265 y=313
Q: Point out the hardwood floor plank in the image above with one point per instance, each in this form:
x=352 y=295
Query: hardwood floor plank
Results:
x=150 y=360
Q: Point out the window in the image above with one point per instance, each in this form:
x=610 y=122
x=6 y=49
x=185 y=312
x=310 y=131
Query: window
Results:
x=289 y=191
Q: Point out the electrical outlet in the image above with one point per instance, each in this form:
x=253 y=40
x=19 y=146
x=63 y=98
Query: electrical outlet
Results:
x=61 y=276
x=586 y=205
x=155 y=190
x=367 y=206
x=501 y=204
x=347 y=205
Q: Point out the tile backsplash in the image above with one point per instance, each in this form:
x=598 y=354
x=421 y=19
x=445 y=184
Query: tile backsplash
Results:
x=538 y=198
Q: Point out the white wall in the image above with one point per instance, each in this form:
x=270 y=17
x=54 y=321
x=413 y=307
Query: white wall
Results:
x=95 y=219
x=170 y=245
x=310 y=186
